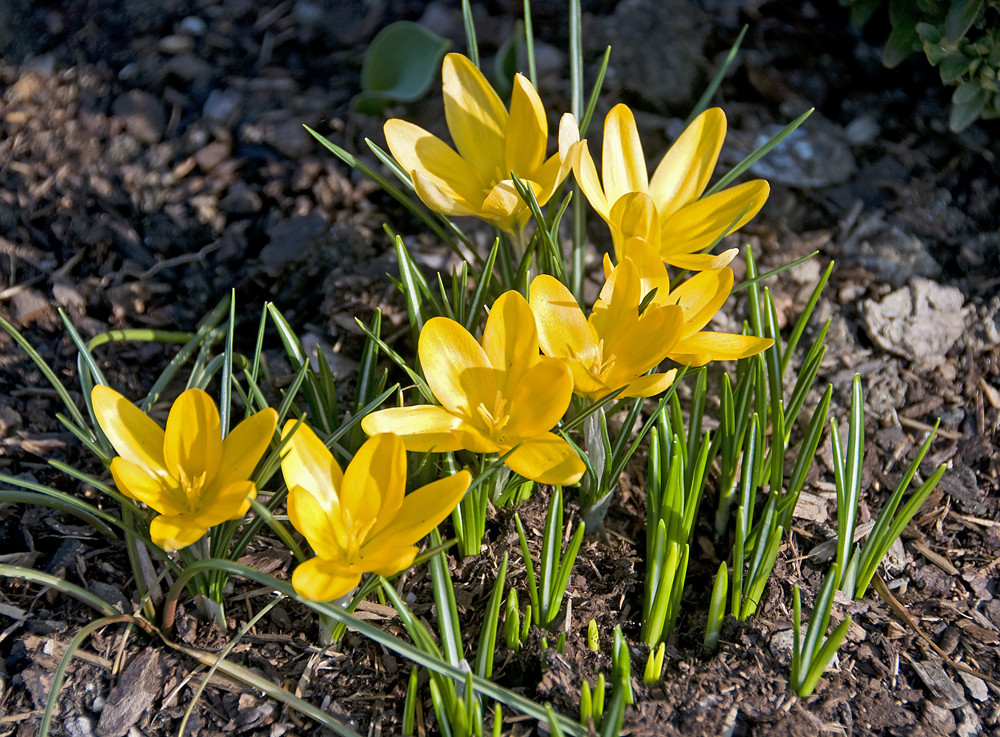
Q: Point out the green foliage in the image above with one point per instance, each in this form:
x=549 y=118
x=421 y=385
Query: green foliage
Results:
x=400 y=66
x=960 y=38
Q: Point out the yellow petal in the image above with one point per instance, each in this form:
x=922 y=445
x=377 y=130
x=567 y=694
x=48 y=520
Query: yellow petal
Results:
x=684 y=171
x=700 y=261
x=649 y=265
x=374 y=484
x=586 y=176
x=136 y=482
x=456 y=367
x=174 y=533
x=192 y=444
x=548 y=460
x=319 y=523
x=618 y=307
x=527 y=130
x=227 y=503
x=423 y=428
x=422 y=510
x=703 y=347
x=539 y=400
x=643 y=345
x=701 y=296
x=477 y=119
x=389 y=561
x=417 y=150
x=623 y=165
x=308 y=463
x=444 y=200
x=548 y=177
x=563 y=330
x=135 y=437
x=634 y=214
x=510 y=342
x=503 y=202
x=324 y=580
x=696 y=226
x=244 y=446
x=651 y=385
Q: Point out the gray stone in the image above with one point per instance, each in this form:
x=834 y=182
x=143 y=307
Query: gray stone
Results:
x=815 y=154
x=141 y=114
x=920 y=322
x=659 y=50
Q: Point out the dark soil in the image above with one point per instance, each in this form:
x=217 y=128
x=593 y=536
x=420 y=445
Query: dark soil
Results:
x=152 y=158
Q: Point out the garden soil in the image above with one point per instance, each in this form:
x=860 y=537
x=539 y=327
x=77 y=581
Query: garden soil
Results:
x=153 y=158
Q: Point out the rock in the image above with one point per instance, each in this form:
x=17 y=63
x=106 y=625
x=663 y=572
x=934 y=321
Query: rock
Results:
x=660 y=50
x=815 y=154
x=291 y=240
x=962 y=487
x=210 y=156
x=862 y=130
x=176 y=44
x=30 y=307
x=920 y=322
x=193 y=26
x=891 y=254
x=781 y=646
x=941 y=720
x=190 y=68
x=290 y=138
x=142 y=115
x=224 y=107
x=975 y=685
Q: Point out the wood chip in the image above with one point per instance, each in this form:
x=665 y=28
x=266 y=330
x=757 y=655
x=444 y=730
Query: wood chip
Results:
x=939 y=683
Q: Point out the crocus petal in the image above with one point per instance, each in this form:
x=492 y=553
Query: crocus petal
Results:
x=417 y=150
x=135 y=436
x=374 y=484
x=586 y=176
x=227 y=503
x=644 y=344
x=527 y=130
x=652 y=271
x=623 y=163
x=510 y=340
x=319 y=579
x=423 y=428
x=135 y=481
x=684 y=171
x=700 y=348
x=476 y=116
x=650 y=385
x=174 y=533
x=563 y=330
x=503 y=202
x=456 y=367
x=308 y=463
x=243 y=447
x=422 y=510
x=547 y=459
x=319 y=523
x=696 y=226
x=701 y=296
x=549 y=176
x=442 y=199
x=634 y=214
x=700 y=261
x=389 y=561
x=539 y=399
x=192 y=443
x=617 y=309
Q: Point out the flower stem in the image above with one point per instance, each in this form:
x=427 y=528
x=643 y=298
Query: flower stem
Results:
x=595 y=491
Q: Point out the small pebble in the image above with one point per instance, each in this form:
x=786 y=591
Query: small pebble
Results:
x=176 y=44
x=193 y=26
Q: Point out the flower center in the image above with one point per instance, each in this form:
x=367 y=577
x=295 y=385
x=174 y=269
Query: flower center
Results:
x=495 y=418
x=192 y=489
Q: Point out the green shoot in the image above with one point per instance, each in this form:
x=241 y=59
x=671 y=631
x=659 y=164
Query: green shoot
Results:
x=810 y=658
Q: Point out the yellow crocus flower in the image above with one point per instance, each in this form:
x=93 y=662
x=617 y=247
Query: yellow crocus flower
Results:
x=616 y=346
x=668 y=211
x=360 y=520
x=700 y=298
x=476 y=179
x=497 y=395
x=191 y=476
